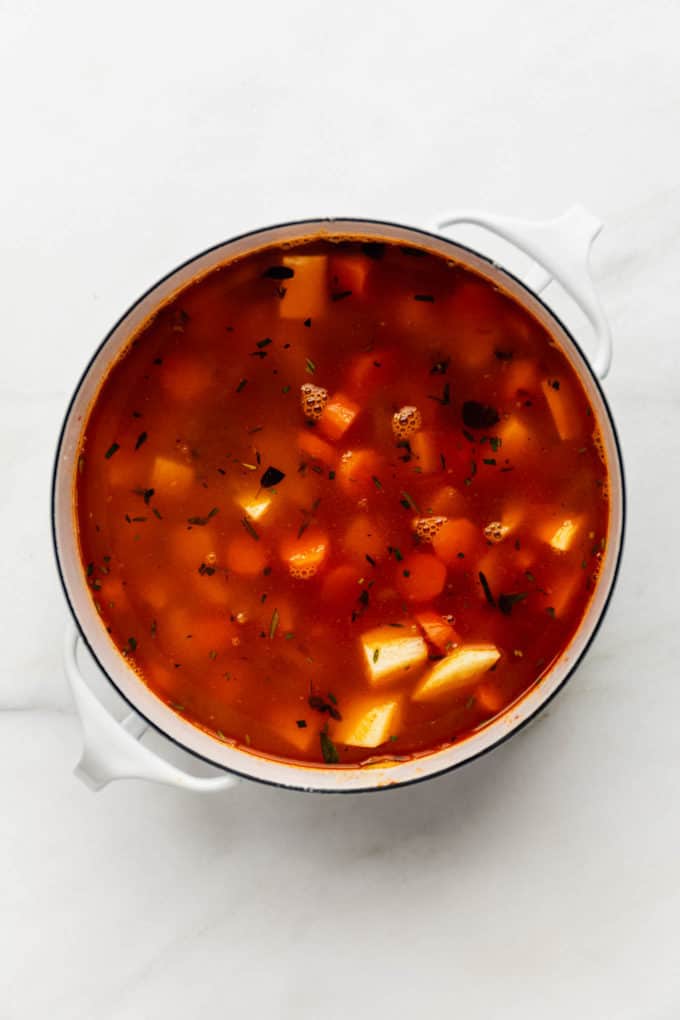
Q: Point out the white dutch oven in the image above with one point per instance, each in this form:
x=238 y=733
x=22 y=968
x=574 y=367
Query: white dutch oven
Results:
x=559 y=250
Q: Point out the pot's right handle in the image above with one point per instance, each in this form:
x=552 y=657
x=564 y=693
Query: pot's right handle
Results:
x=111 y=749
x=561 y=247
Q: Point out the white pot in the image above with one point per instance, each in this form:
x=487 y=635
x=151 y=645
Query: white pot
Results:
x=560 y=248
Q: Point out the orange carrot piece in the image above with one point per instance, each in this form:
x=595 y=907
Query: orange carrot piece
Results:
x=437 y=631
x=458 y=537
x=489 y=698
x=246 y=556
x=316 y=448
x=426 y=452
x=363 y=538
x=348 y=272
x=357 y=470
x=305 y=553
x=420 y=577
x=338 y=415
x=366 y=373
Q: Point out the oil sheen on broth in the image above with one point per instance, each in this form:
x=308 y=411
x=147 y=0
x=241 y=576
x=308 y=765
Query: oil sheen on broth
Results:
x=341 y=500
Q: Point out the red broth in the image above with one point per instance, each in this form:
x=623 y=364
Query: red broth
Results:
x=341 y=500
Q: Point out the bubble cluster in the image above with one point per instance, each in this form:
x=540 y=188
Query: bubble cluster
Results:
x=406 y=421
x=427 y=527
x=495 y=532
x=303 y=572
x=313 y=400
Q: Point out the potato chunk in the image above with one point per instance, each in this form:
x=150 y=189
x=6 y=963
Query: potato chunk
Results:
x=255 y=507
x=563 y=408
x=563 y=538
x=171 y=475
x=369 y=724
x=390 y=652
x=306 y=291
x=456 y=671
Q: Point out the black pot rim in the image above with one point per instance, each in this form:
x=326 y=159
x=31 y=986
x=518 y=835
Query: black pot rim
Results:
x=359 y=221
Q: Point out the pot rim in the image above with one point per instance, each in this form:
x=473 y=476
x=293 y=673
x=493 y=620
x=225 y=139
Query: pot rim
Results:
x=502 y=737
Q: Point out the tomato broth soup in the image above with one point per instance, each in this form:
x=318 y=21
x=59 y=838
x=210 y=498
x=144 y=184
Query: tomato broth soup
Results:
x=341 y=500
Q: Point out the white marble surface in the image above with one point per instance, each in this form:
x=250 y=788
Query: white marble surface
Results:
x=542 y=881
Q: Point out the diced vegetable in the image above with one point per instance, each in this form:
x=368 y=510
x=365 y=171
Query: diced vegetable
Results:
x=516 y=439
x=305 y=553
x=563 y=408
x=456 y=671
x=245 y=556
x=338 y=415
x=363 y=538
x=357 y=471
x=391 y=653
x=307 y=290
x=458 y=540
x=425 y=452
x=438 y=631
x=367 y=373
x=348 y=273
x=563 y=537
x=420 y=577
x=448 y=502
x=489 y=698
x=520 y=378
x=285 y=721
x=368 y=724
x=155 y=593
x=316 y=448
x=255 y=507
x=189 y=547
x=171 y=476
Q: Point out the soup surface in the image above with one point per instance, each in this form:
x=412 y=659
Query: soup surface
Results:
x=341 y=500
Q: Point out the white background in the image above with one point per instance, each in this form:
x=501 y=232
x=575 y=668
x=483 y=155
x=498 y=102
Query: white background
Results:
x=541 y=882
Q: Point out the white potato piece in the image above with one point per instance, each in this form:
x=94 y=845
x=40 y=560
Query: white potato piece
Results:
x=306 y=291
x=563 y=537
x=255 y=507
x=369 y=724
x=169 y=475
x=563 y=409
x=390 y=652
x=457 y=670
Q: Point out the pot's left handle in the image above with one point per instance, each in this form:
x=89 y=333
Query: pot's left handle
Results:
x=111 y=749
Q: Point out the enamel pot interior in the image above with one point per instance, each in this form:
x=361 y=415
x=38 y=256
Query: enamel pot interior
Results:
x=237 y=760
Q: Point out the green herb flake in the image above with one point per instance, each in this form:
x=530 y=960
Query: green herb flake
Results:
x=408 y=502
x=141 y=439
x=487 y=590
x=274 y=623
x=506 y=602
x=489 y=460
x=329 y=751
x=301 y=724
x=310 y=366
x=212 y=654
x=376 y=654
x=242 y=384
x=113 y=448
x=551 y=611
x=377 y=483
x=250 y=529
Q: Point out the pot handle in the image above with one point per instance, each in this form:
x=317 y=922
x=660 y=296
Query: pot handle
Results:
x=561 y=249
x=111 y=749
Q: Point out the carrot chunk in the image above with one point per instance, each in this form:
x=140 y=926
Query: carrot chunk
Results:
x=425 y=452
x=420 y=577
x=367 y=373
x=363 y=538
x=305 y=553
x=245 y=556
x=357 y=471
x=171 y=476
x=348 y=273
x=338 y=415
x=457 y=540
x=306 y=291
x=340 y=586
x=316 y=448
x=489 y=698
x=438 y=631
